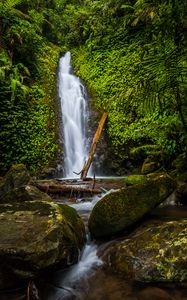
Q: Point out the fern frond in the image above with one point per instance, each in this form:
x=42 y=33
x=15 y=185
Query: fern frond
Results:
x=9 y=4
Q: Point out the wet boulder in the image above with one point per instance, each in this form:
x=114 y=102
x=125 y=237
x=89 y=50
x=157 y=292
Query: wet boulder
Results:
x=24 y=193
x=16 y=186
x=16 y=177
x=154 y=253
x=122 y=208
x=36 y=236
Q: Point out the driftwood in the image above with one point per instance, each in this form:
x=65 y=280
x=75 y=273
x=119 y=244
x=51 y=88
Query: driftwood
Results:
x=97 y=135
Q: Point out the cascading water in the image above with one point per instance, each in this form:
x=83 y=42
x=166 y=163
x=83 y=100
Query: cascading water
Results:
x=72 y=94
x=69 y=284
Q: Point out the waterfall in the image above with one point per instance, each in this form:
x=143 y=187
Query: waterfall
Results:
x=72 y=95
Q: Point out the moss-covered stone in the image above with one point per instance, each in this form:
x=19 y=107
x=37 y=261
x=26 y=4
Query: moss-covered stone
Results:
x=35 y=236
x=135 y=179
x=15 y=187
x=180 y=163
x=74 y=221
x=149 y=166
x=16 y=177
x=154 y=253
x=121 y=208
x=25 y=193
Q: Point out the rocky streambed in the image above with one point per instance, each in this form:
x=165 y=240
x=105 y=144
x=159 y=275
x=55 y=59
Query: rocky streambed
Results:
x=137 y=252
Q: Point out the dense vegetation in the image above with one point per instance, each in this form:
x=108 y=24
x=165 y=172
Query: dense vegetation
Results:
x=131 y=54
x=28 y=62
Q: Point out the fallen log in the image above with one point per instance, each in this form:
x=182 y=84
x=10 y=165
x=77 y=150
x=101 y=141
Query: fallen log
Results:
x=66 y=189
x=97 y=135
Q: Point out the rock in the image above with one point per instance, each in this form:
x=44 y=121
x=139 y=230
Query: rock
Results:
x=149 y=166
x=153 y=293
x=24 y=193
x=14 y=187
x=36 y=236
x=180 y=163
x=154 y=253
x=135 y=179
x=16 y=177
x=154 y=161
x=181 y=194
x=121 y=208
x=49 y=173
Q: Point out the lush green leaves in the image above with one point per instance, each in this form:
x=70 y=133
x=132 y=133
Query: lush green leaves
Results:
x=27 y=87
x=134 y=64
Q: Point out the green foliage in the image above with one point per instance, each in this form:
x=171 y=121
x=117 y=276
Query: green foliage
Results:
x=131 y=54
x=133 y=60
x=28 y=65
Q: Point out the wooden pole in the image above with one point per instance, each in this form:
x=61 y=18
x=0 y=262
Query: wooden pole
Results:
x=97 y=135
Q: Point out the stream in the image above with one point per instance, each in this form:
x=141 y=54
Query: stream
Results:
x=90 y=279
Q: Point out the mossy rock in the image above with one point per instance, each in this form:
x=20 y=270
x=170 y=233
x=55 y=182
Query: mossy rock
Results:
x=122 y=208
x=36 y=236
x=24 y=193
x=180 y=163
x=135 y=179
x=15 y=187
x=154 y=253
x=149 y=167
x=16 y=177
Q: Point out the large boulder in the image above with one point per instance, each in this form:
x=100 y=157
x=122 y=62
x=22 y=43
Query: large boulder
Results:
x=119 y=209
x=16 y=177
x=154 y=253
x=36 y=236
x=16 y=187
x=24 y=193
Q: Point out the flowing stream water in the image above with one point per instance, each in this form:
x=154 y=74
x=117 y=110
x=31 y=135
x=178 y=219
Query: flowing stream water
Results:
x=74 y=110
x=73 y=99
x=91 y=279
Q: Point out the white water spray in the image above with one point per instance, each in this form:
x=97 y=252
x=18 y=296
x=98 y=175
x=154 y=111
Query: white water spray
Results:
x=74 y=115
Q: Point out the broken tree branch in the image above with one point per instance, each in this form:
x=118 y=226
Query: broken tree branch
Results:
x=97 y=135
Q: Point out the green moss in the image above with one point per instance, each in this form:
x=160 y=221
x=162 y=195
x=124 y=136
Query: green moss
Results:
x=75 y=221
x=135 y=179
x=154 y=253
x=149 y=167
x=43 y=142
x=37 y=236
x=121 y=208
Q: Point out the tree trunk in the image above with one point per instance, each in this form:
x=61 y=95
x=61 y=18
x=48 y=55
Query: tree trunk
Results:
x=65 y=189
x=94 y=145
